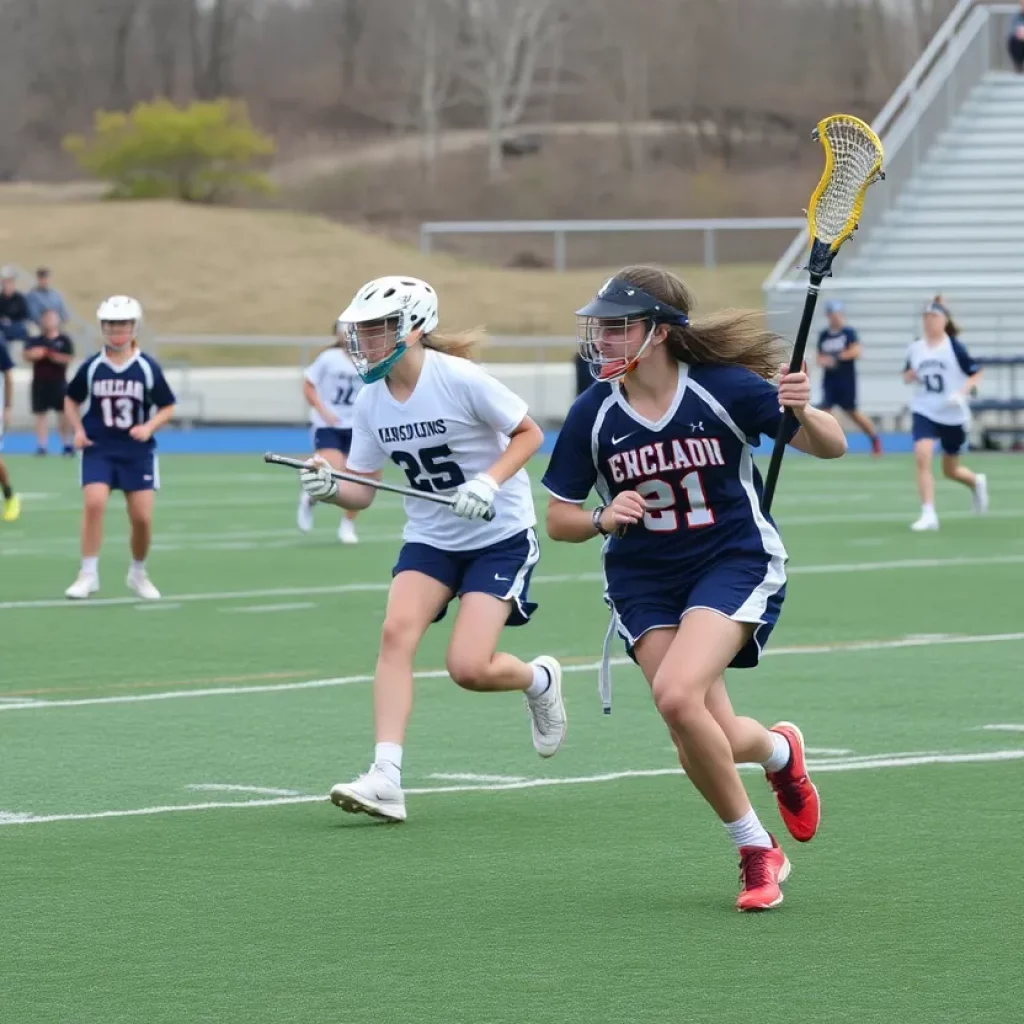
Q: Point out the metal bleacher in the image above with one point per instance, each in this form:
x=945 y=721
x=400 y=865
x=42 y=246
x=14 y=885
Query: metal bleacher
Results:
x=948 y=219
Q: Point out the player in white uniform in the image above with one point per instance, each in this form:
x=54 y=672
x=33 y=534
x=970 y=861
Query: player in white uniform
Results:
x=330 y=385
x=943 y=374
x=451 y=428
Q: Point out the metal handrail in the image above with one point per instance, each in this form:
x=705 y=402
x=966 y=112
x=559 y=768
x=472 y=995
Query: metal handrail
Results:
x=903 y=109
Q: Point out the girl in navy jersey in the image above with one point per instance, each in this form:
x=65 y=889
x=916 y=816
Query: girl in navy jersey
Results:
x=115 y=403
x=695 y=571
x=943 y=374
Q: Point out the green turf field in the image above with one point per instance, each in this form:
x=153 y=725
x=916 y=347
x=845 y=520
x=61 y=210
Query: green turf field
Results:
x=139 y=886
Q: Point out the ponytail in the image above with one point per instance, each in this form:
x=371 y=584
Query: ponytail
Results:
x=952 y=330
x=464 y=345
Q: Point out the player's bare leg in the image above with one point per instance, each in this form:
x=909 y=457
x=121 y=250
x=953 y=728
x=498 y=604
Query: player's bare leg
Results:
x=780 y=751
x=682 y=667
x=868 y=428
x=94 y=505
x=414 y=601
x=475 y=664
x=928 y=520
x=12 y=503
x=953 y=469
x=140 y=518
x=42 y=432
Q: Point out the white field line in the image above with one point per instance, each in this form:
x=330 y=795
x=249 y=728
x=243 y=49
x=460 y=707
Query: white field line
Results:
x=878 y=761
x=294 y=606
x=1005 y=727
x=319 y=684
x=470 y=777
x=828 y=751
x=226 y=787
x=583 y=577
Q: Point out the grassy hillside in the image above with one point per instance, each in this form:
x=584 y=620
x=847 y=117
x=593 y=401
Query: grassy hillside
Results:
x=227 y=271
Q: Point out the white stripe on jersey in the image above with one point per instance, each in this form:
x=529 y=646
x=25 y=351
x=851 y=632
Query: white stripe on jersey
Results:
x=337 y=383
x=453 y=426
x=940 y=380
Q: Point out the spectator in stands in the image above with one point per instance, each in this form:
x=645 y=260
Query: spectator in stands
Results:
x=14 y=313
x=43 y=297
x=838 y=350
x=1015 y=40
x=49 y=353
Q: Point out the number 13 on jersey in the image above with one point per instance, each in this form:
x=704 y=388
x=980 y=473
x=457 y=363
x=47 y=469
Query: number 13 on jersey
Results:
x=661 y=500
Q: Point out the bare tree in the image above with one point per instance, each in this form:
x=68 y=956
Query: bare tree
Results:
x=213 y=32
x=505 y=43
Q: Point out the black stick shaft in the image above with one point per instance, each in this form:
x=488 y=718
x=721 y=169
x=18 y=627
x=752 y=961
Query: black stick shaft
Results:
x=795 y=363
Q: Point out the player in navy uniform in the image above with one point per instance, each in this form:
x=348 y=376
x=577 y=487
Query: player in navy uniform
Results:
x=694 y=570
x=115 y=403
x=943 y=373
x=12 y=503
x=838 y=352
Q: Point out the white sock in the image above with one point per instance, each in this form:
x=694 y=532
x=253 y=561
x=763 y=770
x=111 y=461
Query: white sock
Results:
x=541 y=681
x=928 y=510
x=91 y=566
x=138 y=568
x=388 y=758
x=780 y=755
x=748 y=831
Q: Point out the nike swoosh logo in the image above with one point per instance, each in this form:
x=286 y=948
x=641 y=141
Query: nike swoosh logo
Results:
x=619 y=440
x=503 y=579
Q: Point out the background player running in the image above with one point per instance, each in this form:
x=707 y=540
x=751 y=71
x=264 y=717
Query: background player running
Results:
x=838 y=351
x=115 y=403
x=330 y=385
x=696 y=581
x=944 y=374
x=451 y=428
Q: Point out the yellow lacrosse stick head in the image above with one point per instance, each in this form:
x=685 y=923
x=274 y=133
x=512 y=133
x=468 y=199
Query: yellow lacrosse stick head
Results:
x=853 y=161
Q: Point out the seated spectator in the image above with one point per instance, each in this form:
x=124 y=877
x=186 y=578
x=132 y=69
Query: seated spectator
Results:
x=49 y=353
x=1015 y=40
x=43 y=297
x=14 y=314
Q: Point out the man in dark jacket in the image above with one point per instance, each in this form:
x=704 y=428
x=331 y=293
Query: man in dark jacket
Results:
x=1015 y=40
x=49 y=353
x=14 y=314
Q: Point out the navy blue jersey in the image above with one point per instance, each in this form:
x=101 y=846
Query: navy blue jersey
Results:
x=834 y=343
x=694 y=467
x=6 y=363
x=114 y=399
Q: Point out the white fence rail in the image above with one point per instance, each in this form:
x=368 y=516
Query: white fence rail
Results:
x=560 y=229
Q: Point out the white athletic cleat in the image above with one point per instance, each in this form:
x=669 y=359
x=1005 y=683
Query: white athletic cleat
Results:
x=86 y=584
x=347 y=532
x=547 y=712
x=143 y=586
x=373 y=793
x=928 y=521
x=305 y=513
x=981 y=494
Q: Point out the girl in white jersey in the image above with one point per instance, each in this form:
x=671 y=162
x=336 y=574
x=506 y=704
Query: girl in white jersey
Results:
x=451 y=428
x=943 y=374
x=330 y=385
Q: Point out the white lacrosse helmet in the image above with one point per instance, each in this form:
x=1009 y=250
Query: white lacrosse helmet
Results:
x=406 y=302
x=119 y=309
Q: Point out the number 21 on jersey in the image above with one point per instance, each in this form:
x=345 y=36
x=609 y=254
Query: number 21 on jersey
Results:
x=662 y=517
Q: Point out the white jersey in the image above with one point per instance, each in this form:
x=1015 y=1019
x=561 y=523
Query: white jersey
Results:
x=941 y=371
x=454 y=425
x=334 y=376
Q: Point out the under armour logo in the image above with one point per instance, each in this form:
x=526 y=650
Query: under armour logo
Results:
x=699 y=425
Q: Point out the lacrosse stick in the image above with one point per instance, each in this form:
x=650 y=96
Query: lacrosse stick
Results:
x=377 y=485
x=853 y=162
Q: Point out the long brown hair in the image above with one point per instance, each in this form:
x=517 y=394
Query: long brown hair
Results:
x=463 y=345
x=952 y=330
x=729 y=337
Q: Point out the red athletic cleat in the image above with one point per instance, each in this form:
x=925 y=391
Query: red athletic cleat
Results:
x=761 y=874
x=876 y=445
x=799 y=803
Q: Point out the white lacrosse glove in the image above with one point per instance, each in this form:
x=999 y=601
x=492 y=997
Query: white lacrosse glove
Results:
x=317 y=481
x=475 y=498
